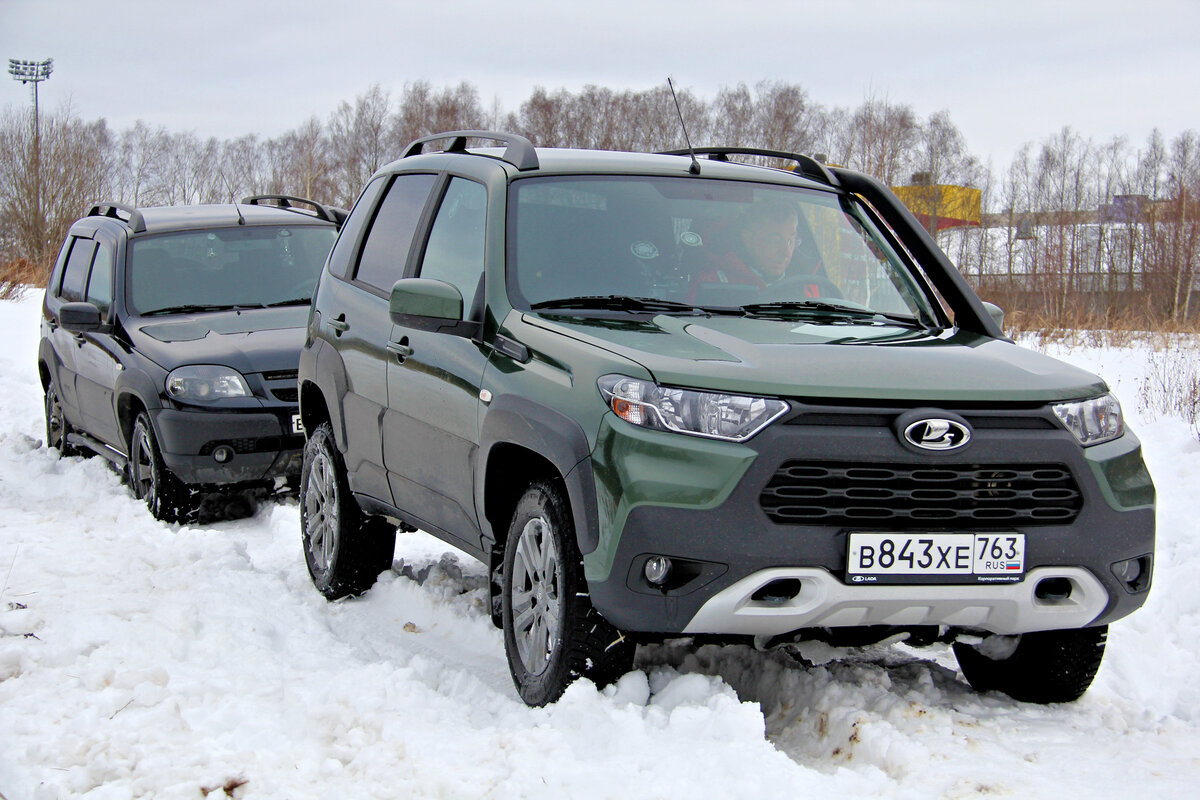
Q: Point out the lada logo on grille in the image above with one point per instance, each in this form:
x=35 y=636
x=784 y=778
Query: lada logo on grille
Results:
x=937 y=434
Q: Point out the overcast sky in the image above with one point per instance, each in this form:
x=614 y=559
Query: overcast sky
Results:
x=1008 y=72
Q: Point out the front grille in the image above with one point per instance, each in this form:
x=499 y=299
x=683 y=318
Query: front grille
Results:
x=981 y=421
x=289 y=394
x=901 y=496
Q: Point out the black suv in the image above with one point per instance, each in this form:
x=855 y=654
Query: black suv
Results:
x=673 y=395
x=170 y=338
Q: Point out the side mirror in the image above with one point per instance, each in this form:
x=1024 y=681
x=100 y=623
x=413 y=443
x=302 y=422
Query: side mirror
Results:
x=428 y=305
x=996 y=313
x=80 y=317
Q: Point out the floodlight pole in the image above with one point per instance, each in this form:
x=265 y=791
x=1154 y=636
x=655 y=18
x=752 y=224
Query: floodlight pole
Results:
x=31 y=72
x=34 y=72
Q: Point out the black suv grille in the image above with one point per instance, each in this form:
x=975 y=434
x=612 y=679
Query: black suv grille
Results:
x=907 y=496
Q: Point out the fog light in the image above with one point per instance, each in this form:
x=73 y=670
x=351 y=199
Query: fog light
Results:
x=1133 y=572
x=223 y=454
x=657 y=569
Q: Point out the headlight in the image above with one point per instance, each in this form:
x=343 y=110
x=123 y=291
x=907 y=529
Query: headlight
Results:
x=1092 y=421
x=717 y=416
x=205 y=383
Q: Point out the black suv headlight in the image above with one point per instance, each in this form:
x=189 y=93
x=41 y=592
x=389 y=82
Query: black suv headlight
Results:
x=714 y=415
x=1092 y=421
x=205 y=383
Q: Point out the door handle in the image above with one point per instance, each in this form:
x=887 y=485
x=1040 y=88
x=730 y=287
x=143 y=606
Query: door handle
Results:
x=339 y=324
x=400 y=350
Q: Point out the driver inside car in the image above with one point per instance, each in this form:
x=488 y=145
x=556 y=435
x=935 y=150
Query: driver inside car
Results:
x=756 y=251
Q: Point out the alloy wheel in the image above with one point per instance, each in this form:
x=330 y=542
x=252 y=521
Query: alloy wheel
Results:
x=321 y=511
x=536 y=596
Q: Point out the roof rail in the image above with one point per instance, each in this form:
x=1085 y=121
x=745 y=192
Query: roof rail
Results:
x=287 y=202
x=109 y=208
x=519 y=151
x=808 y=166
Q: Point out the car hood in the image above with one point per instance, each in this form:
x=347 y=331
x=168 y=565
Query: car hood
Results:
x=252 y=340
x=793 y=358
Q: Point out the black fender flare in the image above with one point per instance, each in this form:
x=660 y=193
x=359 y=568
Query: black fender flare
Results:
x=137 y=386
x=321 y=366
x=559 y=439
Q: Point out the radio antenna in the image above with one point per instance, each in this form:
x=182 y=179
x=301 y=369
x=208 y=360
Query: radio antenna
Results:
x=695 y=167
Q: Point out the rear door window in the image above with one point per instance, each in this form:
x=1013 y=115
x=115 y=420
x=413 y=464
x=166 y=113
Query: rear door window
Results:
x=76 y=274
x=385 y=251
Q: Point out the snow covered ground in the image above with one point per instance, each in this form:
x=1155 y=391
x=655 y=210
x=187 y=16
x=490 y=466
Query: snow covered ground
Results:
x=146 y=660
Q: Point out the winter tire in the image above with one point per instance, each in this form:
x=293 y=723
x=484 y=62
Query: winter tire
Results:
x=57 y=428
x=1040 y=667
x=345 y=550
x=552 y=634
x=167 y=498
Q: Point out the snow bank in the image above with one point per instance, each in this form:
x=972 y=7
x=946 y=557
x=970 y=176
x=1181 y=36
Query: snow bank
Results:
x=140 y=659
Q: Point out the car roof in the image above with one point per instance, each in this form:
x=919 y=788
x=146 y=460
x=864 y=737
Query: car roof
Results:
x=153 y=220
x=161 y=219
x=542 y=161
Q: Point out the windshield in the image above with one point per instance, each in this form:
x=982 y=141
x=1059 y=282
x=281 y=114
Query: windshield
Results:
x=714 y=246
x=244 y=267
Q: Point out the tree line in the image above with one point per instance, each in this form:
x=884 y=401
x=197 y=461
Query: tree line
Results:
x=1070 y=225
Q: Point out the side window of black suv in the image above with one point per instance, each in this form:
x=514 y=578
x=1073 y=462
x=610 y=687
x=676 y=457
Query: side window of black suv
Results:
x=100 y=284
x=75 y=275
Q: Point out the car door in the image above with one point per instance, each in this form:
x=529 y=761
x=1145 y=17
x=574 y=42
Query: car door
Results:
x=354 y=318
x=431 y=426
x=66 y=344
x=98 y=359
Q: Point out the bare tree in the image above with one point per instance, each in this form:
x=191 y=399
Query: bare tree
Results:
x=300 y=164
x=46 y=183
x=360 y=139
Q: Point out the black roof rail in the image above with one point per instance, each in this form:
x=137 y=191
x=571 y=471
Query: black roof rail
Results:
x=110 y=209
x=287 y=202
x=808 y=166
x=519 y=151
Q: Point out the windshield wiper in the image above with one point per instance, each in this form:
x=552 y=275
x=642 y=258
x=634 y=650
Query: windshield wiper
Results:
x=825 y=308
x=194 y=309
x=295 y=301
x=617 y=302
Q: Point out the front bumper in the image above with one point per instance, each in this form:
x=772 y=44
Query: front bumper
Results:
x=698 y=502
x=262 y=444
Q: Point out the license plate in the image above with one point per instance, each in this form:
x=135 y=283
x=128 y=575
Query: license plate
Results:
x=297 y=424
x=936 y=557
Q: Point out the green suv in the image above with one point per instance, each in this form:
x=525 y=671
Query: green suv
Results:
x=672 y=395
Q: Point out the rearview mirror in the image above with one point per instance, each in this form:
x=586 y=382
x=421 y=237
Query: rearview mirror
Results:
x=428 y=305
x=80 y=317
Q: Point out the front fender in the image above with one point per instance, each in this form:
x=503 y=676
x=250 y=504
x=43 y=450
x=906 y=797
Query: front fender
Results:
x=557 y=438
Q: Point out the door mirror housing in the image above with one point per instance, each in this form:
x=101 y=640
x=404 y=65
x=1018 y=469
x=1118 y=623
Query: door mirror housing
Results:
x=429 y=305
x=79 y=317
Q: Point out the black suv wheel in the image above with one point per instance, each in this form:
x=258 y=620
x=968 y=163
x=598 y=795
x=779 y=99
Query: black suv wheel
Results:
x=344 y=549
x=165 y=496
x=56 y=425
x=1040 y=667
